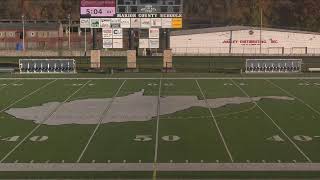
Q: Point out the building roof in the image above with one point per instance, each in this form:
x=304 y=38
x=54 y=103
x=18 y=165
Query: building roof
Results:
x=232 y=28
x=29 y=26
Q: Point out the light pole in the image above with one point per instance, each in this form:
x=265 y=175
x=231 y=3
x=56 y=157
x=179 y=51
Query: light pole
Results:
x=23 y=43
x=261 y=24
x=69 y=31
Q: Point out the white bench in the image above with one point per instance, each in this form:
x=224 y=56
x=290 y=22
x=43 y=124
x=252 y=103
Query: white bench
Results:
x=314 y=69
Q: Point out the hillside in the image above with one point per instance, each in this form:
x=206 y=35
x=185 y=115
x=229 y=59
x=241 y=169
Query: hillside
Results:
x=299 y=14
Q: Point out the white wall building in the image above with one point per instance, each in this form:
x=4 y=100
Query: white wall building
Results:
x=239 y=40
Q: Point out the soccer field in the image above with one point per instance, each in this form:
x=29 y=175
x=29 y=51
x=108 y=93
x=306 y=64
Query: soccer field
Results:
x=160 y=120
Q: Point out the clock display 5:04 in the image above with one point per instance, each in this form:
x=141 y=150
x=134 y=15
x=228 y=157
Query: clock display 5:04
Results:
x=94 y=11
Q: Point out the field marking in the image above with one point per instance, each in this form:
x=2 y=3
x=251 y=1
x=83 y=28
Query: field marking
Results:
x=24 y=97
x=7 y=85
x=279 y=128
x=166 y=78
x=38 y=126
x=215 y=122
x=154 y=176
x=104 y=113
x=163 y=167
x=290 y=94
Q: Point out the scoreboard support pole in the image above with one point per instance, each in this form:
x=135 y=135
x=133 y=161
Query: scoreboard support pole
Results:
x=167 y=54
x=95 y=53
x=131 y=53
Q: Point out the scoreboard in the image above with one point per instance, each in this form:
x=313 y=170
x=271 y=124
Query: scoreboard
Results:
x=117 y=8
x=112 y=16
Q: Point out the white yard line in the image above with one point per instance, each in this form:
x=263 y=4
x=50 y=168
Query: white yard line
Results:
x=38 y=126
x=278 y=127
x=215 y=122
x=106 y=110
x=24 y=97
x=165 y=78
x=290 y=94
x=155 y=160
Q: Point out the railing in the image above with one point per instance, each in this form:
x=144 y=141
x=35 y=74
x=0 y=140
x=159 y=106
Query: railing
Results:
x=245 y=51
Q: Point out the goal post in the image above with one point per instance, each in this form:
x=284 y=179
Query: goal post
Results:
x=43 y=66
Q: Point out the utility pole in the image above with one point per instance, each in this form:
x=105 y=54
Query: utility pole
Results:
x=23 y=31
x=69 y=30
x=261 y=24
x=85 y=41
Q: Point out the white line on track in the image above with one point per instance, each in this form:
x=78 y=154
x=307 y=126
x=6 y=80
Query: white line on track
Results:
x=155 y=161
x=166 y=78
x=45 y=119
x=215 y=122
x=106 y=110
x=24 y=97
x=278 y=127
x=290 y=94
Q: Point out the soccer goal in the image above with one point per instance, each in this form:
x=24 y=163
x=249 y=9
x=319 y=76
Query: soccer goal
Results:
x=47 y=66
x=273 y=65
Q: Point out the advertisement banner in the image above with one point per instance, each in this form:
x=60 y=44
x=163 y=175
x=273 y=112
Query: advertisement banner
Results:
x=105 y=22
x=95 y=23
x=135 y=23
x=154 y=33
x=117 y=33
x=156 y=22
x=107 y=43
x=115 y=23
x=143 y=43
x=177 y=23
x=166 y=23
x=84 y=23
x=117 y=43
x=154 y=43
x=145 y=23
x=107 y=33
x=125 y=23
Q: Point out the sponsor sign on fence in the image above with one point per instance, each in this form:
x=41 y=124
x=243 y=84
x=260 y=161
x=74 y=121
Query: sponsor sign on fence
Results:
x=154 y=33
x=107 y=33
x=117 y=33
x=117 y=43
x=95 y=23
x=105 y=23
x=107 y=43
x=85 y=23
x=154 y=43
